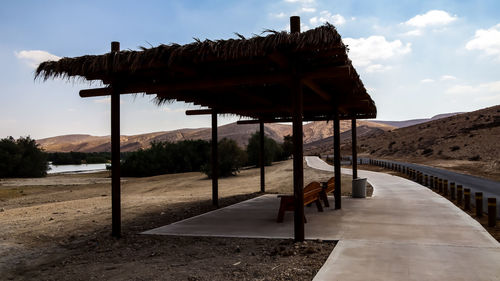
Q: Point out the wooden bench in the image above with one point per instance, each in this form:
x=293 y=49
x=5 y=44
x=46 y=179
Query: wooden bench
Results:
x=311 y=194
x=327 y=187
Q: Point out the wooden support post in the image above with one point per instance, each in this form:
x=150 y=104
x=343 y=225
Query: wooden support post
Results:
x=298 y=154
x=492 y=211
x=354 y=150
x=261 y=158
x=215 y=162
x=115 y=156
x=336 y=161
x=479 y=204
x=467 y=199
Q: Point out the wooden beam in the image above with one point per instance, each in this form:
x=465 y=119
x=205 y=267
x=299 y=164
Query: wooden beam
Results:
x=217 y=83
x=199 y=112
x=99 y=92
x=115 y=157
x=354 y=150
x=336 y=162
x=261 y=158
x=298 y=154
x=317 y=89
x=215 y=162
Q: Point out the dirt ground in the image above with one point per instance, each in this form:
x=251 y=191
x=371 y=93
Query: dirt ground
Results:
x=58 y=228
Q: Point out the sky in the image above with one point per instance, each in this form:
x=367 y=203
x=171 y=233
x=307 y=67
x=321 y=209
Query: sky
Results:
x=417 y=59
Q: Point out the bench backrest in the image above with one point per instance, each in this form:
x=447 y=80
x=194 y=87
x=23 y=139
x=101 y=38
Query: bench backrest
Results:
x=330 y=185
x=311 y=192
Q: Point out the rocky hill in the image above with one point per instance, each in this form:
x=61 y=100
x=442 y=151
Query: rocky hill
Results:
x=467 y=136
x=408 y=123
x=313 y=132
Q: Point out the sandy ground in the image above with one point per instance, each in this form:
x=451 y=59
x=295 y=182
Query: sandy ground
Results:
x=57 y=228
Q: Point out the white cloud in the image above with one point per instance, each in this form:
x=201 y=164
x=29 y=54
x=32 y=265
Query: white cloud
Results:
x=426 y=80
x=486 y=40
x=377 y=68
x=368 y=52
x=431 y=18
x=415 y=32
x=484 y=88
x=278 y=15
x=34 y=57
x=308 y=10
x=326 y=16
x=300 y=1
x=171 y=110
x=103 y=100
x=448 y=78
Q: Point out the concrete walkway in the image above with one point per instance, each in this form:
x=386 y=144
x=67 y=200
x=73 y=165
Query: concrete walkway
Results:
x=407 y=232
x=404 y=232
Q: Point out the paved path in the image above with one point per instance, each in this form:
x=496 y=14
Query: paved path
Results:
x=490 y=188
x=404 y=232
x=407 y=232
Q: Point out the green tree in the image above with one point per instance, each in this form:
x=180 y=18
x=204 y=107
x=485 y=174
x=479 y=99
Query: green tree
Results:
x=272 y=150
x=231 y=158
x=22 y=158
x=287 y=146
x=166 y=158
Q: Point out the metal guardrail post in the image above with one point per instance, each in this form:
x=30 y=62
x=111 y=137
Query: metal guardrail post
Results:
x=492 y=211
x=479 y=204
x=459 y=195
x=467 y=199
x=445 y=187
x=453 y=196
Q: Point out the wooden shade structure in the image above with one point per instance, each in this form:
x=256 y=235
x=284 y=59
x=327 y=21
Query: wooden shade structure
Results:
x=281 y=76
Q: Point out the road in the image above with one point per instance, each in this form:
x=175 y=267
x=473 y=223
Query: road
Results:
x=489 y=188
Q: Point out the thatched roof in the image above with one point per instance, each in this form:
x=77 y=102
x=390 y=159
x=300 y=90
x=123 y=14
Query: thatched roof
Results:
x=242 y=76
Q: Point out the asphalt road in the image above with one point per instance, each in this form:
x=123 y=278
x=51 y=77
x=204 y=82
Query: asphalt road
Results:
x=489 y=188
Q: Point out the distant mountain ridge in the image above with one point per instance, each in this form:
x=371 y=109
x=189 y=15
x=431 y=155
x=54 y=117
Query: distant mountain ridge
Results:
x=313 y=131
x=317 y=135
x=408 y=123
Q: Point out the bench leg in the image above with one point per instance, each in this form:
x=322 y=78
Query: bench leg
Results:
x=324 y=197
x=281 y=212
x=318 y=205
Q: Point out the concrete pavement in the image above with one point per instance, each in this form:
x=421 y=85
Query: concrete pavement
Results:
x=408 y=232
x=404 y=232
x=489 y=188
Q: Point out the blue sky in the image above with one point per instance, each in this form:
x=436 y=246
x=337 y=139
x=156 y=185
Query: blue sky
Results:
x=416 y=58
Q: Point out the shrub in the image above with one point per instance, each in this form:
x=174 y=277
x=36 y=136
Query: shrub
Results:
x=272 y=150
x=77 y=158
x=22 y=158
x=427 y=151
x=231 y=157
x=166 y=158
x=475 y=158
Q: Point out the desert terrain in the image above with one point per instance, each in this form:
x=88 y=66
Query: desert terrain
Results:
x=58 y=228
x=465 y=143
x=313 y=131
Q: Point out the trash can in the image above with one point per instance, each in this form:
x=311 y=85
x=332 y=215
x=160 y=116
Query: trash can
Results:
x=359 y=188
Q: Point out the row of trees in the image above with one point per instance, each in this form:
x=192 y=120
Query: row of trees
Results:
x=188 y=156
x=24 y=158
x=76 y=158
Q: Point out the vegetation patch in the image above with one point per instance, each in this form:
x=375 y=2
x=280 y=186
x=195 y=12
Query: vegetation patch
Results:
x=22 y=158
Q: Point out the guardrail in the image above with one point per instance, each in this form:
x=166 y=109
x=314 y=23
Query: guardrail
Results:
x=444 y=183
